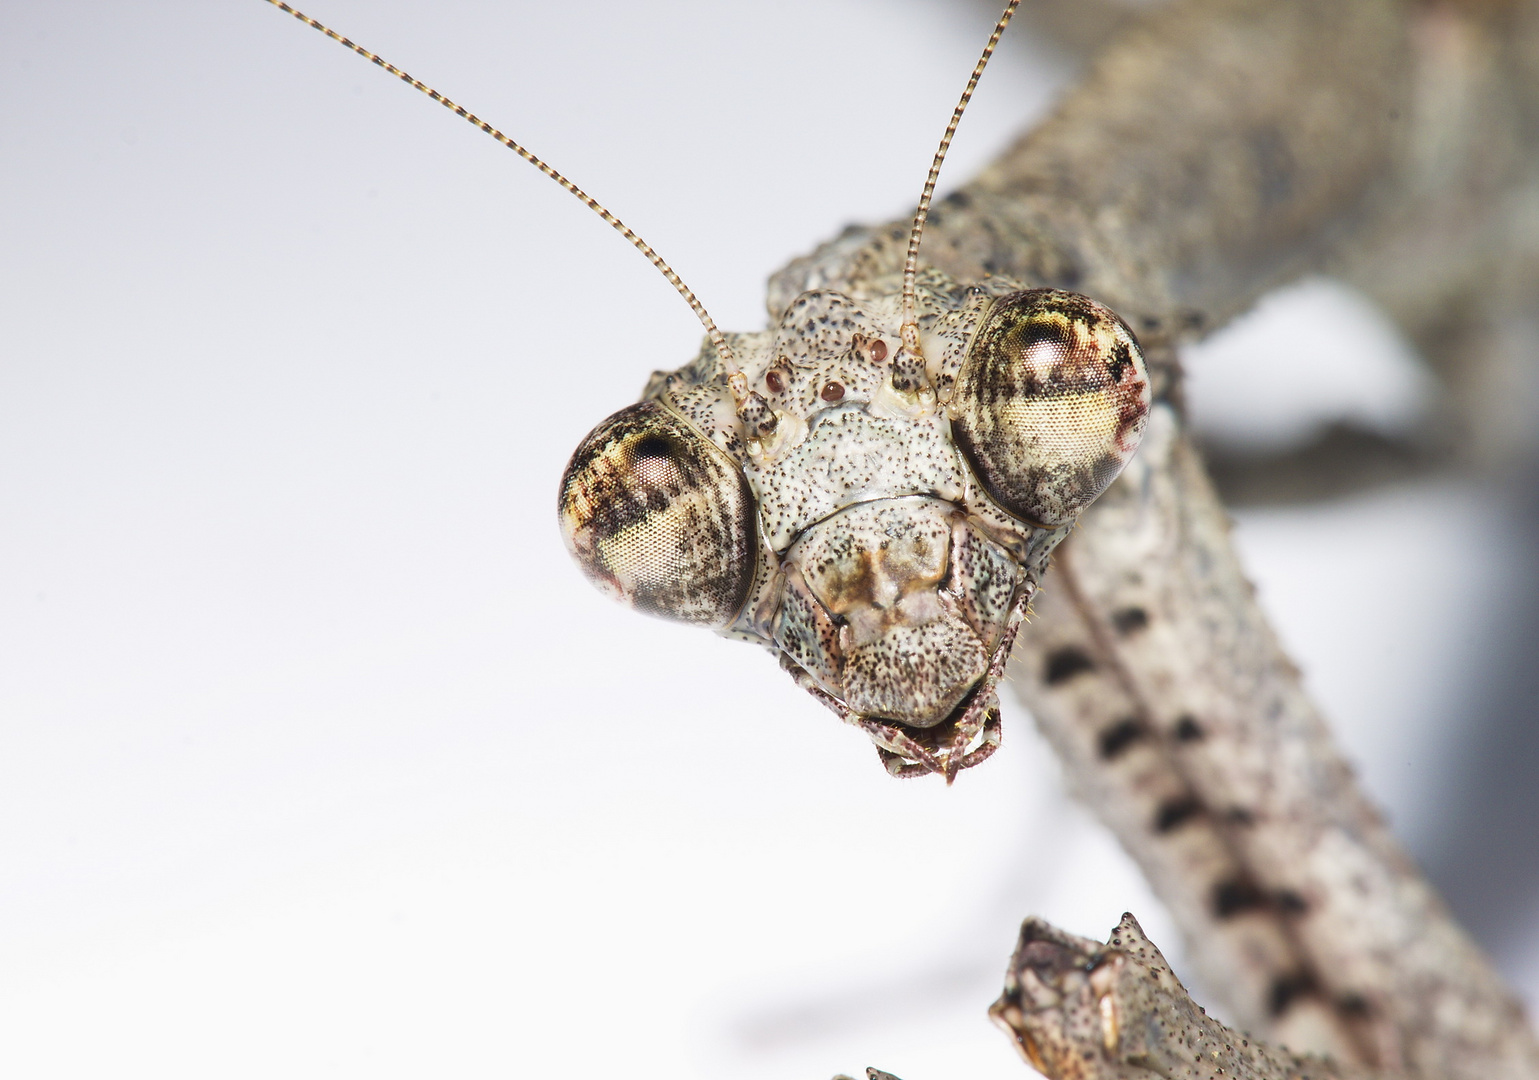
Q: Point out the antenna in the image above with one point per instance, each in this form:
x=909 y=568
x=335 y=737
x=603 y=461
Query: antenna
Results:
x=910 y=330
x=735 y=378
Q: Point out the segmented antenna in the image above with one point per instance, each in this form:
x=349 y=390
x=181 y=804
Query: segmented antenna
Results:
x=735 y=377
x=910 y=330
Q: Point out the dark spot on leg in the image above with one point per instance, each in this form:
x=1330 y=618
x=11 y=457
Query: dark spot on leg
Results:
x=1176 y=812
x=1238 y=815
x=1188 y=730
x=1286 y=989
x=1065 y=663
x=1353 y=1006
x=1289 y=902
x=1237 y=896
x=1120 y=736
x=1130 y=620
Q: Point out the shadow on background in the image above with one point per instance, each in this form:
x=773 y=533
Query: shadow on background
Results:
x=1484 y=853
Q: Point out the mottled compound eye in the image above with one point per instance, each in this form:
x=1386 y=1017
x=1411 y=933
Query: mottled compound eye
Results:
x=1050 y=403
x=660 y=518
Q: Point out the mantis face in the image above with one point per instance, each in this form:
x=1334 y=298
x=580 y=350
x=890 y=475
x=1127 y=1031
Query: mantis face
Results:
x=878 y=517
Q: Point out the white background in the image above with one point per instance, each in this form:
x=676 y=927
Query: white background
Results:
x=317 y=758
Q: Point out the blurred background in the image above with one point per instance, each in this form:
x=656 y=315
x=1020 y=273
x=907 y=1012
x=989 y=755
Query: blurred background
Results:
x=318 y=758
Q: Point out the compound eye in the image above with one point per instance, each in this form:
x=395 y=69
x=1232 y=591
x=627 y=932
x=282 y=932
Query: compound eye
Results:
x=660 y=518
x=1050 y=403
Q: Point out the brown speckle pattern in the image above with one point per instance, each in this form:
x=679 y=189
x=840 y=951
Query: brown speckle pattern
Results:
x=1080 y=1010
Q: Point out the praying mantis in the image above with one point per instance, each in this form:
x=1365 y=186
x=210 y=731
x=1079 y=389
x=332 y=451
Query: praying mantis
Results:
x=305 y=499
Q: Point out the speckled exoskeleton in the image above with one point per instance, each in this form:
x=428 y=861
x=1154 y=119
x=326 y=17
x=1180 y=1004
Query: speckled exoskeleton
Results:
x=877 y=515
